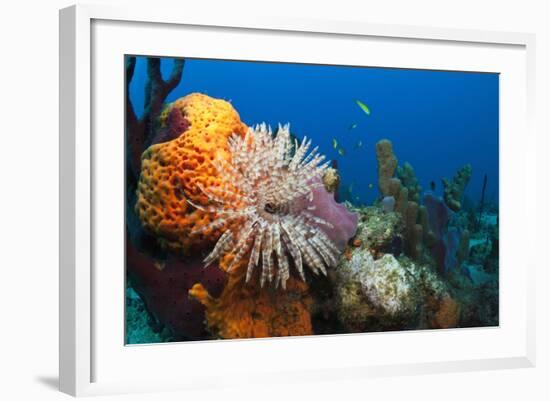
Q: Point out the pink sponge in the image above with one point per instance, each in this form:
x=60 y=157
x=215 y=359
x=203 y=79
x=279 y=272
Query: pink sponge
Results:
x=344 y=222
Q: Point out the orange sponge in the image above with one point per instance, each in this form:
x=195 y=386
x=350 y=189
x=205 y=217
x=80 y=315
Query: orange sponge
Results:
x=248 y=311
x=448 y=314
x=171 y=172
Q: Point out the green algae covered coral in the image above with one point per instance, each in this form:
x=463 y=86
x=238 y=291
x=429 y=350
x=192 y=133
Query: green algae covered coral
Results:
x=454 y=189
x=406 y=175
x=379 y=231
x=405 y=191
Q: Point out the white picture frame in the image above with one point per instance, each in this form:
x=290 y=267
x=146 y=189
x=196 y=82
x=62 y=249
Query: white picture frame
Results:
x=83 y=343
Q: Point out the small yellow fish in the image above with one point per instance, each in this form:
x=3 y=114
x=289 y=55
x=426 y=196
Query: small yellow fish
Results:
x=371 y=186
x=363 y=106
x=334 y=143
x=359 y=145
x=350 y=188
x=341 y=152
x=352 y=126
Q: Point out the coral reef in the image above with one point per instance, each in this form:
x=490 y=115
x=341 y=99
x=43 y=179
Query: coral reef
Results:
x=249 y=311
x=264 y=203
x=385 y=283
x=454 y=190
x=479 y=301
x=390 y=294
x=378 y=289
x=261 y=206
x=414 y=232
x=406 y=175
x=380 y=232
x=405 y=194
x=207 y=177
x=172 y=172
x=387 y=163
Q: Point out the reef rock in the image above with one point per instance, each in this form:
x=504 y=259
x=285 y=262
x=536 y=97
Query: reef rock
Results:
x=381 y=290
x=380 y=232
x=391 y=294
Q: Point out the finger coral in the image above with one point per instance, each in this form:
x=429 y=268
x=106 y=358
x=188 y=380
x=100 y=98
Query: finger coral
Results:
x=265 y=203
x=387 y=163
x=248 y=311
x=193 y=131
x=454 y=189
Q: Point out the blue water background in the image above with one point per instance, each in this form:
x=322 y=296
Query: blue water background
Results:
x=437 y=120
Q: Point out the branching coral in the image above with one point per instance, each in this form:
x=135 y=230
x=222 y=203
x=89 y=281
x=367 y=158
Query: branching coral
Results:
x=407 y=177
x=264 y=202
x=454 y=189
x=140 y=131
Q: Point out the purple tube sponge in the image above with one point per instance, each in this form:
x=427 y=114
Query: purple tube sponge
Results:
x=446 y=241
x=438 y=214
x=452 y=241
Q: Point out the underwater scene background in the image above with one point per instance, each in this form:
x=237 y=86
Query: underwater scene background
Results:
x=396 y=229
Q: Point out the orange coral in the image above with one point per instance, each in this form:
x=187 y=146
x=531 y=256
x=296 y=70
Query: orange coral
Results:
x=447 y=315
x=248 y=311
x=171 y=172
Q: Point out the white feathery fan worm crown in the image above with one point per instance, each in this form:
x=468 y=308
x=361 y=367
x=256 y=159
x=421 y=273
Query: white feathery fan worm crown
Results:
x=267 y=190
